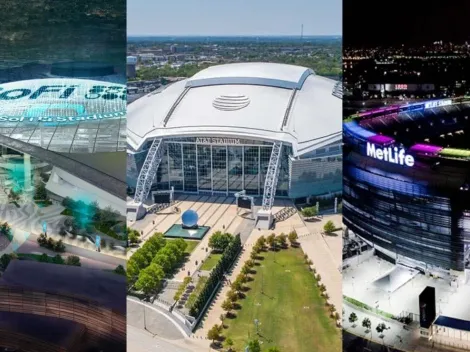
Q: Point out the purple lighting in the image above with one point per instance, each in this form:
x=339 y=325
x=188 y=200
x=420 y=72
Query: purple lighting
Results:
x=425 y=149
x=380 y=139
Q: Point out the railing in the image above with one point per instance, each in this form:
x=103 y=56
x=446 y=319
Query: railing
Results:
x=147 y=173
x=272 y=175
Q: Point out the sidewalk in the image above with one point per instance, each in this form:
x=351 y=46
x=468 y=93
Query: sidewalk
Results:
x=396 y=336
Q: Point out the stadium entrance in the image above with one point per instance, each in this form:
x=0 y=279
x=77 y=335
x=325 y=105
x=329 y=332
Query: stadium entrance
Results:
x=216 y=166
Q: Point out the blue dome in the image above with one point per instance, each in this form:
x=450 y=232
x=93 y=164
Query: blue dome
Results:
x=189 y=218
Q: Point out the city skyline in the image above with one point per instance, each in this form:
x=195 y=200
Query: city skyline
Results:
x=243 y=18
x=405 y=23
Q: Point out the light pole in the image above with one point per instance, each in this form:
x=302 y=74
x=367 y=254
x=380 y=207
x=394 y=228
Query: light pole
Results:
x=257 y=324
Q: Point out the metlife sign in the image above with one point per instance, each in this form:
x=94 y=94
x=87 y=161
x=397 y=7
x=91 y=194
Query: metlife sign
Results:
x=393 y=155
x=437 y=103
x=61 y=100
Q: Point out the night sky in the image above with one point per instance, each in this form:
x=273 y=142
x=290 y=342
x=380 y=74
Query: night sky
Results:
x=411 y=22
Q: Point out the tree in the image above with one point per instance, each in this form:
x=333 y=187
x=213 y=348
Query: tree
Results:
x=59 y=246
x=5 y=259
x=214 y=333
x=329 y=227
x=309 y=212
x=44 y=258
x=366 y=323
x=40 y=192
x=282 y=240
x=271 y=240
x=229 y=343
x=165 y=261
x=219 y=241
x=140 y=259
x=381 y=327
x=73 y=260
x=5 y=229
x=352 y=318
x=245 y=270
x=254 y=346
x=133 y=271
x=261 y=241
x=274 y=349
x=149 y=278
x=237 y=286
x=133 y=236
x=227 y=306
x=293 y=238
x=58 y=259
x=108 y=216
x=232 y=295
x=120 y=270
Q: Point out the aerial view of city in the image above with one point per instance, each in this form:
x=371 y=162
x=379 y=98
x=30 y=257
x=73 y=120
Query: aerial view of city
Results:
x=234 y=201
x=406 y=200
x=62 y=176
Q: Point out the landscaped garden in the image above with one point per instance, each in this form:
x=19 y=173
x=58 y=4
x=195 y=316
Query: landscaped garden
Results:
x=86 y=217
x=278 y=289
x=156 y=260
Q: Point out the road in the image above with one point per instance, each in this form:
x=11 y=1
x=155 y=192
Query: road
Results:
x=88 y=257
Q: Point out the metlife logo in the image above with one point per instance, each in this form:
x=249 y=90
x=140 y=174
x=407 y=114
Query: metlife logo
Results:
x=393 y=155
x=61 y=100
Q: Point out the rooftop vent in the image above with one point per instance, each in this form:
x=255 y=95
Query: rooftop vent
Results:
x=231 y=102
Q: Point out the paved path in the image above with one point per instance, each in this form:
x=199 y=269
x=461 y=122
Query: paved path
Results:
x=396 y=336
x=143 y=341
x=326 y=259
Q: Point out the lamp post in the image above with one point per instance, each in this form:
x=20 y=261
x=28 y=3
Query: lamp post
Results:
x=257 y=324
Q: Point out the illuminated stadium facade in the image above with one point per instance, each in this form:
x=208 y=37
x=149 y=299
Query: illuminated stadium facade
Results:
x=269 y=129
x=77 y=125
x=407 y=182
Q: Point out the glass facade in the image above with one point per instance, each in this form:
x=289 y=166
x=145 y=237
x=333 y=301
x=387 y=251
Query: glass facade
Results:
x=318 y=172
x=193 y=167
x=413 y=212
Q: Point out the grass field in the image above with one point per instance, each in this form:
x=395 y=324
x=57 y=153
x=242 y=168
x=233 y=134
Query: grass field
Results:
x=211 y=261
x=292 y=313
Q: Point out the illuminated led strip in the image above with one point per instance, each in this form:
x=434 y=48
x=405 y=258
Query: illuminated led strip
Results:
x=351 y=126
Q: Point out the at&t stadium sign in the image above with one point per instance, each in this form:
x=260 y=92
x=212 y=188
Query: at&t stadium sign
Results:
x=393 y=155
x=61 y=100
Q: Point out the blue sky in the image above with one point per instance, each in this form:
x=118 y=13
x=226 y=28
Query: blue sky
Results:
x=236 y=17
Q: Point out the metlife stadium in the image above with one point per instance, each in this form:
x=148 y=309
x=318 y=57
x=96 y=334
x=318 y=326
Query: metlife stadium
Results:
x=407 y=182
x=269 y=129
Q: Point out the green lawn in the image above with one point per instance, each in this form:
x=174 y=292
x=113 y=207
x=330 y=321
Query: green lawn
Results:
x=292 y=313
x=211 y=261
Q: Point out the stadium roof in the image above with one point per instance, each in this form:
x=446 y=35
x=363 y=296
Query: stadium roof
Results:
x=67 y=115
x=248 y=100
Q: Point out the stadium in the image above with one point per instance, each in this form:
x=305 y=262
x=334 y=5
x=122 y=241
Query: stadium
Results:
x=406 y=183
x=77 y=125
x=271 y=130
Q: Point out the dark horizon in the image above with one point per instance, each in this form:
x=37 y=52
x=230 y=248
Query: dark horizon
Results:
x=369 y=23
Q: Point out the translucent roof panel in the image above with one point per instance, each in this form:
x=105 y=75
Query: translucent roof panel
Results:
x=65 y=114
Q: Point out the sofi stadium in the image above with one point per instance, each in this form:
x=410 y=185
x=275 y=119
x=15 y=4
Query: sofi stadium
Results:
x=406 y=182
x=271 y=130
x=75 y=124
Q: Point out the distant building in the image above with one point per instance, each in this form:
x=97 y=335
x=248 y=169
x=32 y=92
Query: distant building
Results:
x=131 y=64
